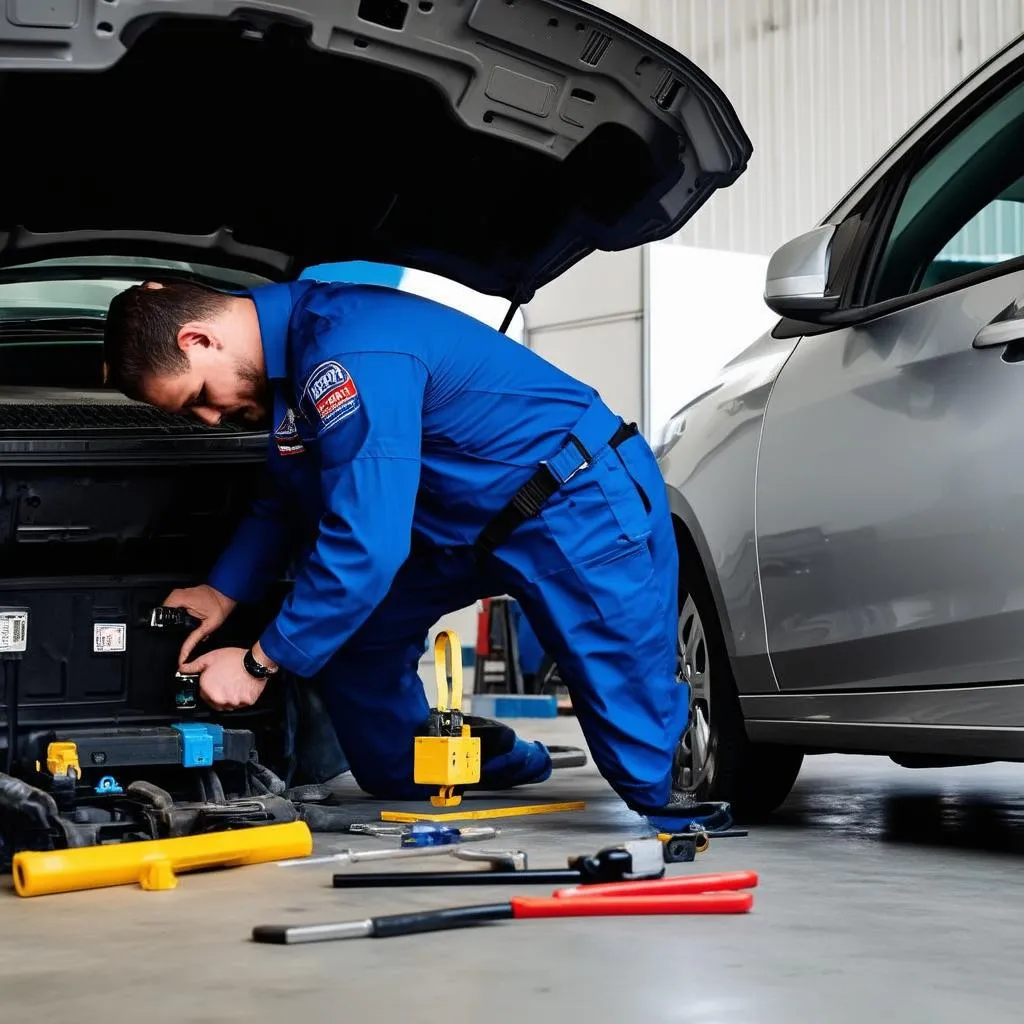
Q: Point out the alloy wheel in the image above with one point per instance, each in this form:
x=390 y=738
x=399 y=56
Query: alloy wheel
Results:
x=695 y=754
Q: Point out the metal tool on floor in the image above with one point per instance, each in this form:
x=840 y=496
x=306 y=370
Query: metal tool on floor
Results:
x=635 y=860
x=448 y=756
x=682 y=849
x=505 y=860
x=500 y=860
x=694 y=894
x=490 y=812
x=425 y=833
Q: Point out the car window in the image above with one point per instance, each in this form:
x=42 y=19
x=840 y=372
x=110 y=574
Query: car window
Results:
x=963 y=208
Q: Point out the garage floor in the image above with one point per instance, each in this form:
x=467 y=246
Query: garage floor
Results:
x=883 y=891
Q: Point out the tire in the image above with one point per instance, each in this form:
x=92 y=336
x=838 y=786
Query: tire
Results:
x=753 y=778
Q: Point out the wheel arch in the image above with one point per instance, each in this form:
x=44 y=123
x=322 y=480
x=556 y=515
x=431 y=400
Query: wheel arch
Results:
x=694 y=553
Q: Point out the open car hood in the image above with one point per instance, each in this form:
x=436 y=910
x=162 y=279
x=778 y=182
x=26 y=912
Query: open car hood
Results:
x=495 y=142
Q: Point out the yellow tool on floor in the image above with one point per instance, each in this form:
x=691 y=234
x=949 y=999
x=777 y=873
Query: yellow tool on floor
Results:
x=491 y=812
x=448 y=756
x=152 y=863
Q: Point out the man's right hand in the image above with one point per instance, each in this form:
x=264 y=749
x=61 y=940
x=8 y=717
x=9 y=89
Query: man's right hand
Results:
x=205 y=603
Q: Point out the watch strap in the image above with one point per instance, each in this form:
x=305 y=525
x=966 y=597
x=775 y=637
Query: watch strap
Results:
x=254 y=668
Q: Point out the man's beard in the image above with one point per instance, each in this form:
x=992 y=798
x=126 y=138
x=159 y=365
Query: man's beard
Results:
x=258 y=392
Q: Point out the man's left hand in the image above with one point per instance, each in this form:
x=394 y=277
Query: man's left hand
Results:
x=223 y=682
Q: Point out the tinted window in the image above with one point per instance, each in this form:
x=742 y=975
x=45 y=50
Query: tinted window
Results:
x=963 y=209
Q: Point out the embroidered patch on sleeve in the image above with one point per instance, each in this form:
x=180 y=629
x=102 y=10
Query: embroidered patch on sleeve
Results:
x=331 y=394
x=286 y=437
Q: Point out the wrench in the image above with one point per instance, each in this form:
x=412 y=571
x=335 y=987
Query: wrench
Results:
x=465 y=835
x=510 y=860
x=500 y=860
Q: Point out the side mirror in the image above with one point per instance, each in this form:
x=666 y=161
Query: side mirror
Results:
x=796 y=285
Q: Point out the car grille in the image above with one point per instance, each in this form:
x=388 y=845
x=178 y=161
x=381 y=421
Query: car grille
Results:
x=33 y=419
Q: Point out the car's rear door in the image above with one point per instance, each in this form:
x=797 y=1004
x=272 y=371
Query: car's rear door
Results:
x=890 y=488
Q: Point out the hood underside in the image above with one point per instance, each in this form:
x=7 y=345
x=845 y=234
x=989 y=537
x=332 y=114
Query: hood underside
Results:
x=495 y=142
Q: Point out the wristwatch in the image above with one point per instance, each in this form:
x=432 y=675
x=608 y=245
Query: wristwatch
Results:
x=254 y=668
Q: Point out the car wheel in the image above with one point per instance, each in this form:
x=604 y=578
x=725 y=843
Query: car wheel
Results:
x=715 y=760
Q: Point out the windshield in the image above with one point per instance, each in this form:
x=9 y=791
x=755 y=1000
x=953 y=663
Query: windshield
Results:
x=84 y=286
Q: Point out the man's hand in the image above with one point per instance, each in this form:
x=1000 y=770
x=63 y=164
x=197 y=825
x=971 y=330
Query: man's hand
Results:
x=223 y=682
x=210 y=606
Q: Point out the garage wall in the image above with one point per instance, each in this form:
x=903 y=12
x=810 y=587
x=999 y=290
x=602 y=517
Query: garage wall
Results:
x=590 y=323
x=822 y=87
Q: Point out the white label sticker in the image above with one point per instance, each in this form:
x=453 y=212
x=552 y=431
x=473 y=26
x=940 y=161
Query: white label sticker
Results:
x=13 y=632
x=109 y=637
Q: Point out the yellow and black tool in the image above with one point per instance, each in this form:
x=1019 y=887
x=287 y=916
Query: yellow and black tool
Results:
x=448 y=756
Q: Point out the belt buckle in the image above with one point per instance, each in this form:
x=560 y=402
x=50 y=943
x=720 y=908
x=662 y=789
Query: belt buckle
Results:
x=585 y=464
x=584 y=454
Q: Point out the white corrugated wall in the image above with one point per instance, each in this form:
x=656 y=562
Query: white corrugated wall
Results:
x=822 y=87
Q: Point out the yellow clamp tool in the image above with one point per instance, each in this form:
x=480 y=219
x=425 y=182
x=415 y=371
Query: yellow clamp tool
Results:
x=448 y=756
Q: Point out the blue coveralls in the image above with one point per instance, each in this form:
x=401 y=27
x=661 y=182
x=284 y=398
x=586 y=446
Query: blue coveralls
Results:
x=400 y=427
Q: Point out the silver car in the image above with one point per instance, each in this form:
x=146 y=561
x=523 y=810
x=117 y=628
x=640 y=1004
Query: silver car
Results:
x=850 y=493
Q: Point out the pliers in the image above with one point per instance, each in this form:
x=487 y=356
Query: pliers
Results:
x=683 y=894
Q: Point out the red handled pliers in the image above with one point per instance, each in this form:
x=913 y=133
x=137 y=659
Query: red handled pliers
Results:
x=723 y=893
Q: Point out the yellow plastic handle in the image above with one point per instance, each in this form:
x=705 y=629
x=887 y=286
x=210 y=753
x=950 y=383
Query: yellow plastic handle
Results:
x=153 y=863
x=448 y=669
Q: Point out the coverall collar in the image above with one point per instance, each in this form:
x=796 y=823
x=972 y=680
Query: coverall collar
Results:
x=274 y=303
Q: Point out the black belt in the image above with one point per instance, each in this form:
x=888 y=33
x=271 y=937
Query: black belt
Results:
x=527 y=502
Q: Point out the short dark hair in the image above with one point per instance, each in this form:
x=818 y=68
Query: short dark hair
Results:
x=141 y=336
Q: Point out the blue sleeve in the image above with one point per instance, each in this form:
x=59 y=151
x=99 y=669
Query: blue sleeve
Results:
x=367 y=408
x=258 y=551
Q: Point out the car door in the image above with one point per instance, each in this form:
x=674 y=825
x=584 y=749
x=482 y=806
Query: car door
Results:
x=890 y=481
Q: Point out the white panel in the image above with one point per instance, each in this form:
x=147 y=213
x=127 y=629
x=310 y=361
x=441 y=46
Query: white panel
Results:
x=822 y=87
x=705 y=308
x=604 y=355
x=487 y=308
x=602 y=285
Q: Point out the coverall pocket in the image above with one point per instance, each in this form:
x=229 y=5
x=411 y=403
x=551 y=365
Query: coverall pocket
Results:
x=626 y=496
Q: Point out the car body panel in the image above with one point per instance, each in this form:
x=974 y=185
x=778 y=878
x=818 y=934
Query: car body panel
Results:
x=708 y=455
x=890 y=501
x=494 y=142
x=984 y=722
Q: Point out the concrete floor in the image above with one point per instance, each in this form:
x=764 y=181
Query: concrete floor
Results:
x=883 y=892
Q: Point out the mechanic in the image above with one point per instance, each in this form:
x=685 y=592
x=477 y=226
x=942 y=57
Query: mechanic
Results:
x=421 y=460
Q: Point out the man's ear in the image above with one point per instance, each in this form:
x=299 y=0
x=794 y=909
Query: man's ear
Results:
x=192 y=334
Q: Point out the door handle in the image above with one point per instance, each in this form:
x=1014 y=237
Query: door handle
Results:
x=1005 y=329
x=1001 y=333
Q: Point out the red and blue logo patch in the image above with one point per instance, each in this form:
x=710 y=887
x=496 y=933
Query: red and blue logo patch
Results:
x=286 y=437
x=331 y=394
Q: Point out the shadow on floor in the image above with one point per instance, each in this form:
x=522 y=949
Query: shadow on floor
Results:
x=951 y=821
